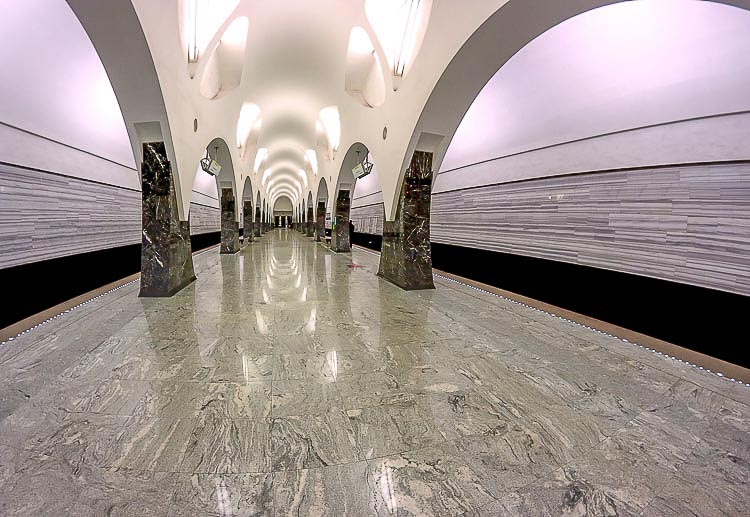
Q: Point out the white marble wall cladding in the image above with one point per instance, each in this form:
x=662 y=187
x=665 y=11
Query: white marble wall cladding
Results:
x=368 y=218
x=204 y=219
x=688 y=224
x=45 y=216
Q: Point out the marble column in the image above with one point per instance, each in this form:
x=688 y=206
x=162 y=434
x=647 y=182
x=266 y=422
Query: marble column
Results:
x=247 y=221
x=166 y=256
x=340 y=227
x=230 y=228
x=258 y=224
x=310 y=223
x=320 y=222
x=406 y=255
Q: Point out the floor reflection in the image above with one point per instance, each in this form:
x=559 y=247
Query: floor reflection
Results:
x=284 y=381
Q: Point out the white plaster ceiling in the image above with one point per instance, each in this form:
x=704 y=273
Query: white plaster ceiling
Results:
x=53 y=84
x=614 y=68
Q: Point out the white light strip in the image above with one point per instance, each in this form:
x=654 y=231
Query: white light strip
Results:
x=66 y=311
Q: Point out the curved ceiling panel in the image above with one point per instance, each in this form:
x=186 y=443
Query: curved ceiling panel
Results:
x=56 y=85
x=364 y=76
x=200 y=20
x=226 y=61
x=400 y=26
x=623 y=66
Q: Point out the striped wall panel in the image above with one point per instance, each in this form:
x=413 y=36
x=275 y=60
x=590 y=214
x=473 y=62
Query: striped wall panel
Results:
x=204 y=219
x=368 y=218
x=687 y=224
x=45 y=215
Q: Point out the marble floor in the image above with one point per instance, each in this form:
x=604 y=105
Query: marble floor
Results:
x=285 y=381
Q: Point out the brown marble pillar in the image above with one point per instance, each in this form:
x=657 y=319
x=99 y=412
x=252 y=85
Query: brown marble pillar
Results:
x=247 y=221
x=258 y=223
x=166 y=256
x=340 y=225
x=406 y=255
x=230 y=228
x=320 y=222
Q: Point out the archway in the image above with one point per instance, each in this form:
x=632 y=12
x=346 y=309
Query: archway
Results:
x=218 y=151
x=321 y=203
x=340 y=227
x=116 y=32
x=501 y=37
x=283 y=211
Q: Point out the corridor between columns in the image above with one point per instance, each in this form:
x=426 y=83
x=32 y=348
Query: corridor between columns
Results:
x=286 y=380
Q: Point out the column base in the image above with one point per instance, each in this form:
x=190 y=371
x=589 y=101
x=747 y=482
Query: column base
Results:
x=230 y=241
x=340 y=239
x=409 y=267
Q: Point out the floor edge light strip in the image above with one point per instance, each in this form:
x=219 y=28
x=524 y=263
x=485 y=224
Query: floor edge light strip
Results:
x=67 y=311
x=79 y=305
x=624 y=340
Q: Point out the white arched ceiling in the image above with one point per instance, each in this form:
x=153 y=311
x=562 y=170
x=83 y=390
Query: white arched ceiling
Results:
x=53 y=84
x=247 y=190
x=283 y=204
x=615 y=68
x=294 y=62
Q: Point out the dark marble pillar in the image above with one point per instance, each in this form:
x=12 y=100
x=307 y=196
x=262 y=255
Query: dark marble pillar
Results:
x=310 y=223
x=320 y=223
x=406 y=256
x=256 y=225
x=230 y=228
x=247 y=221
x=340 y=227
x=166 y=256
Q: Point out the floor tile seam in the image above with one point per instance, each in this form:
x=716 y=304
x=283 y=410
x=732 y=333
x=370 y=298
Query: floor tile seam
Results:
x=359 y=449
x=371 y=465
x=678 y=469
x=471 y=512
x=675 y=379
x=60 y=455
x=666 y=370
x=611 y=435
x=594 y=330
x=657 y=492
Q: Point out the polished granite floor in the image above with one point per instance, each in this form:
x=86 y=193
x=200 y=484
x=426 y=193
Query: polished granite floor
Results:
x=285 y=381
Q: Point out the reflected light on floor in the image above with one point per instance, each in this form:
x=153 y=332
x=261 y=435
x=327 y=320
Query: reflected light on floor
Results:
x=310 y=325
x=262 y=327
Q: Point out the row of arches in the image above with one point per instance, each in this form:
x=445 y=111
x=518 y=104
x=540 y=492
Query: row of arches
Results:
x=418 y=147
